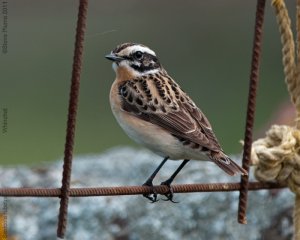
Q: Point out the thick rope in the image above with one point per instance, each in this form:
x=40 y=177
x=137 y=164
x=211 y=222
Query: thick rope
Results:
x=277 y=156
x=298 y=63
x=288 y=47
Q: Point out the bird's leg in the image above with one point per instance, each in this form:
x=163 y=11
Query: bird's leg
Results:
x=168 y=182
x=153 y=197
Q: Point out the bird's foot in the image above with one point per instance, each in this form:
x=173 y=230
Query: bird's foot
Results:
x=170 y=193
x=151 y=196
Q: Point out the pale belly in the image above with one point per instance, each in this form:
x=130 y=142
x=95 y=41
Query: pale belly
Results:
x=151 y=136
x=157 y=139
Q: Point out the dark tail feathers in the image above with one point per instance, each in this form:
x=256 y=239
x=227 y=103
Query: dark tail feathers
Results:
x=228 y=165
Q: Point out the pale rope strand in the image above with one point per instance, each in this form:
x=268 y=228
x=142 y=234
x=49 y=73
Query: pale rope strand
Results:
x=278 y=159
x=298 y=64
x=288 y=48
x=292 y=75
x=298 y=35
x=296 y=217
x=277 y=156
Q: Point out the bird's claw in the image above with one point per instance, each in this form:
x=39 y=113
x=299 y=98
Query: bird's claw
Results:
x=170 y=193
x=151 y=196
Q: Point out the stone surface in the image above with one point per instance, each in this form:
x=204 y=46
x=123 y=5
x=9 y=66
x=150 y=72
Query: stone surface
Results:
x=196 y=216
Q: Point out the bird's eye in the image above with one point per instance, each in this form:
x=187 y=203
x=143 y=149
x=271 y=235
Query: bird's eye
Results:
x=138 y=55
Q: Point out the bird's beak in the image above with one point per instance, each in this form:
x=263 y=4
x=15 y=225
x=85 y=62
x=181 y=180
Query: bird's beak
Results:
x=113 y=57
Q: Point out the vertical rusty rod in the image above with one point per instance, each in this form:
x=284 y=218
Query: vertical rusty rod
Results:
x=254 y=77
x=72 y=112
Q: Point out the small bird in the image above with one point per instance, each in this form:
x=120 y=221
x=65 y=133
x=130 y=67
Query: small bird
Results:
x=155 y=112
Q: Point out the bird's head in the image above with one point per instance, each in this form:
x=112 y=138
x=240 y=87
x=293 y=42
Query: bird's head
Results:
x=136 y=58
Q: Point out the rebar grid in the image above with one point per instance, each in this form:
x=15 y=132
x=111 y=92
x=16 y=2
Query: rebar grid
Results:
x=65 y=191
x=72 y=112
x=254 y=77
x=135 y=190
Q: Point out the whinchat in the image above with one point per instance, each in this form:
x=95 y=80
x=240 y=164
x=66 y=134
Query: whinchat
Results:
x=155 y=112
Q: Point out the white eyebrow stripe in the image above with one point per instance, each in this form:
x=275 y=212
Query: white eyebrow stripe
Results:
x=140 y=48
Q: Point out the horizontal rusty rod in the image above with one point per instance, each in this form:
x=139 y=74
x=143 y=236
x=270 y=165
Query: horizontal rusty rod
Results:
x=135 y=190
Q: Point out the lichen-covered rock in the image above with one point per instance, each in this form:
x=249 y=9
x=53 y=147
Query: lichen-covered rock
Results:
x=196 y=216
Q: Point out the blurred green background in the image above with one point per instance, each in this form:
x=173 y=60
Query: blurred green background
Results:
x=204 y=45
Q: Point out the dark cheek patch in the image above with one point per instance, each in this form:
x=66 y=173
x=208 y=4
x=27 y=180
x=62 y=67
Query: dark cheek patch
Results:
x=149 y=62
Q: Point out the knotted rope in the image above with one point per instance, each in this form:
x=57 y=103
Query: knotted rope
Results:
x=277 y=156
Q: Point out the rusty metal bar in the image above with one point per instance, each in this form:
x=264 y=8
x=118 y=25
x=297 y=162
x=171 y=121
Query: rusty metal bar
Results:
x=254 y=77
x=73 y=103
x=135 y=190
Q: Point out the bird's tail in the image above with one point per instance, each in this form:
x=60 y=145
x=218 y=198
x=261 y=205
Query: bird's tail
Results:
x=228 y=165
